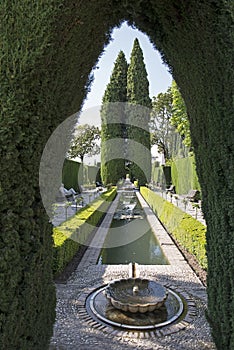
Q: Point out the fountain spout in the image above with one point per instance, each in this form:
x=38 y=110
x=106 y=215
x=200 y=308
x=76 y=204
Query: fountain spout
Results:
x=133 y=270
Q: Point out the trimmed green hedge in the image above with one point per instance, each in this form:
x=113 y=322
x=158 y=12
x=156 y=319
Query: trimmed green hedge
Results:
x=161 y=174
x=184 y=176
x=74 y=232
x=189 y=232
x=92 y=174
x=157 y=174
x=70 y=174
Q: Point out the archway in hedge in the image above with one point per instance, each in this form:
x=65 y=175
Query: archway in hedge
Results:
x=48 y=51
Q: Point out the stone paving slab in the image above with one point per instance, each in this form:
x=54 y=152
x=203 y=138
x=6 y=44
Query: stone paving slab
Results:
x=74 y=330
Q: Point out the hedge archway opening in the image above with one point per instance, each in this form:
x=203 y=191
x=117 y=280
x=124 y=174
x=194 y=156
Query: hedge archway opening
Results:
x=48 y=50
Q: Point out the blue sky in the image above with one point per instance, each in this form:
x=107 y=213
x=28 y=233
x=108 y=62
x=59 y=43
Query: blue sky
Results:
x=159 y=77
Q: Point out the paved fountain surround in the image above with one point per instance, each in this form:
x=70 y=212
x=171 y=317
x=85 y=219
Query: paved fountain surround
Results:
x=77 y=328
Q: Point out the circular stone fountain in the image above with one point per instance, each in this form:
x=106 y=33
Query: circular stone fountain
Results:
x=136 y=295
x=101 y=309
x=135 y=303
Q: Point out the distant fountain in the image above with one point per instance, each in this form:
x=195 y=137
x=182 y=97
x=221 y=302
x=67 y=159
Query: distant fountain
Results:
x=125 y=210
x=127 y=185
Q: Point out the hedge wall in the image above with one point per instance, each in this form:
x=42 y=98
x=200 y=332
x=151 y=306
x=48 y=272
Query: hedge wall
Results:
x=92 y=174
x=47 y=51
x=189 y=232
x=70 y=174
x=182 y=173
x=161 y=175
x=184 y=176
x=157 y=174
x=27 y=292
x=74 y=232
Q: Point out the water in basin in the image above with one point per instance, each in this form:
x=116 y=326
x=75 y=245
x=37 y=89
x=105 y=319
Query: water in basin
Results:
x=132 y=239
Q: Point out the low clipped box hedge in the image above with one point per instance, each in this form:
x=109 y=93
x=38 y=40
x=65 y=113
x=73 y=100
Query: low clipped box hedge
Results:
x=70 y=235
x=188 y=232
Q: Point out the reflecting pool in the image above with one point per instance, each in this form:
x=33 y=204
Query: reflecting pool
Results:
x=130 y=236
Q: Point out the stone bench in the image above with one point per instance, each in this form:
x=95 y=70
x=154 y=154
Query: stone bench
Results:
x=171 y=189
x=193 y=196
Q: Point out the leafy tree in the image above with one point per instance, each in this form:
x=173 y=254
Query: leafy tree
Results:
x=113 y=123
x=179 y=115
x=161 y=128
x=138 y=95
x=84 y=142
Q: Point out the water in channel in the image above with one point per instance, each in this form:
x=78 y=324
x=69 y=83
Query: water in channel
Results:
x=130 y=237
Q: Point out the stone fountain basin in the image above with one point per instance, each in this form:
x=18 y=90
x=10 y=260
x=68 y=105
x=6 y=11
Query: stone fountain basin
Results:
x=136 y=295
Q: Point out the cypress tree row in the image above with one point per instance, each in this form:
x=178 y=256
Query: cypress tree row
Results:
x=127 y=84
x=137 y=117
x=113 y=123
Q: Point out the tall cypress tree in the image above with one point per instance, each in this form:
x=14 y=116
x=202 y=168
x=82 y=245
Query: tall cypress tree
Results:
x=113 y=123
x=138 y=116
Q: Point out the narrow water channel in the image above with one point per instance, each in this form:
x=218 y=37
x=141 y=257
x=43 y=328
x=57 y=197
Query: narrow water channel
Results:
x=130 y=237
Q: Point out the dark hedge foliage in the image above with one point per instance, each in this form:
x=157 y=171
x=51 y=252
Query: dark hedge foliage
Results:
x=70 y=174
x=27 y=293
x=47 y=51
